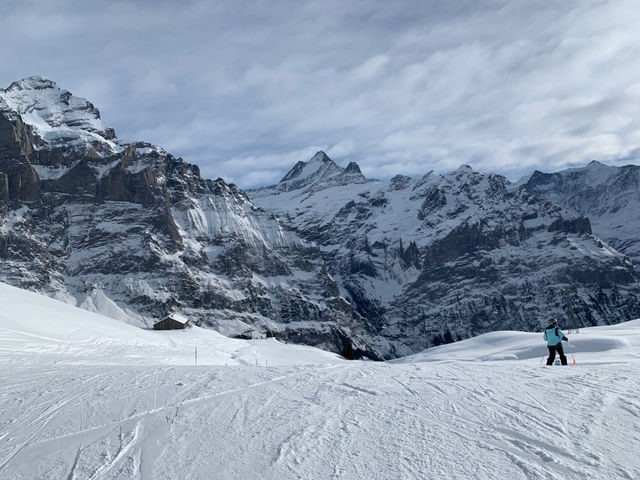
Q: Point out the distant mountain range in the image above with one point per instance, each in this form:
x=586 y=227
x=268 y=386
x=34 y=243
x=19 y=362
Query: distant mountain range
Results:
x=609 y=196
x=325 y=257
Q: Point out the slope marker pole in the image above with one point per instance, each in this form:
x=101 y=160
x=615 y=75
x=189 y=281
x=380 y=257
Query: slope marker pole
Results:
x=574 y=358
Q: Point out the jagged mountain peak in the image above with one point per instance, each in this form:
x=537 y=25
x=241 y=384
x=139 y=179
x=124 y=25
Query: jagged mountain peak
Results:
x=594 y=174
x=409 y=251
x=34 y=82
x=353 y=167
x=319 y=164
x=465 y=174
x=464 y=168
x=462 y=172
x=323 y=256
x=596 y=165
x=37 y=96
x=320 y=156
x=128 y=228
x=318 y=173
x=58 y=117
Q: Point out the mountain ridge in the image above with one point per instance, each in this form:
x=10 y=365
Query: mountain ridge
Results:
x=609 y=196
x=464 y=232
x=325 y=257
x=127 y=227
x=316 y=174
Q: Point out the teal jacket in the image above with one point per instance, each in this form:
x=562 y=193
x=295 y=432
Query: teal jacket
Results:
x=553 y=335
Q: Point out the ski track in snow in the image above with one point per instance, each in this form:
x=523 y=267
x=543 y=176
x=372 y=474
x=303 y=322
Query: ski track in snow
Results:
x=354 y=420
x=86 y=397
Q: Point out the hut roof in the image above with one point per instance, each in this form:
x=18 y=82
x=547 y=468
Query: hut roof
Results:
x=178 y=318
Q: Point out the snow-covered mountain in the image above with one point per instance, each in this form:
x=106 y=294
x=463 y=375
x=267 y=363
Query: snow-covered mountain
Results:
x=317 y=174
x=61 y=122
x=84 y=396
x=126 y=229
x=445 y=257
x=609 y=196
x=325 y=257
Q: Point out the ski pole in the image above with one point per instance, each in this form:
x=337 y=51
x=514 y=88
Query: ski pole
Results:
x=574 y=358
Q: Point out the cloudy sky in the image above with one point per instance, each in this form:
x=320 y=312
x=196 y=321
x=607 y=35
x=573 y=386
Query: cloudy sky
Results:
x=246 y=89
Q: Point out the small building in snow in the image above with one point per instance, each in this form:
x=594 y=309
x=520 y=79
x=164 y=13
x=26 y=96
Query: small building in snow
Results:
x=172 y=322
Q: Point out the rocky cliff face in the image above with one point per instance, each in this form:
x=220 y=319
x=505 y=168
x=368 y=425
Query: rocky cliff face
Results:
x=326 y=257
x=609 y=196
x=133 y=232
x=446 y=257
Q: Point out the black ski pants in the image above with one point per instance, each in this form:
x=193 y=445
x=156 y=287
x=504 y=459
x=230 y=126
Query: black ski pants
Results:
x=552 y=354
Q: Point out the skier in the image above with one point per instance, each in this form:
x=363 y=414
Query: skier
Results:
x=554 y=337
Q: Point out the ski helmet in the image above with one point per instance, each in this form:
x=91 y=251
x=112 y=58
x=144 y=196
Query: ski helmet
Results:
x=553 y=321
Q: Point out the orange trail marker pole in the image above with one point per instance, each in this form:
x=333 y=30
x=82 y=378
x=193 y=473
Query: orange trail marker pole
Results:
x=574 y=358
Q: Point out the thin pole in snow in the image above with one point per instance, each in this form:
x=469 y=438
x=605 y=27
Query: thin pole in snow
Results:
x=574 y=358
x=196 y=353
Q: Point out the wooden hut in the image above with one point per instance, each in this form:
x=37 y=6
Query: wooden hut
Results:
x=172 y=322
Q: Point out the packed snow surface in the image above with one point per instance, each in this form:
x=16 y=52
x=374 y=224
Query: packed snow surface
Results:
x=87 y=397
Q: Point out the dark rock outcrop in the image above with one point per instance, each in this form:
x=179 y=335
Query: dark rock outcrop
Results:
x=482 y=254
x=383 y=269
x=130 y=230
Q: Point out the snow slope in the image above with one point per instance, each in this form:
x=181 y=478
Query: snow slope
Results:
x=615 y=343
x=35 y=329
x=87 y=397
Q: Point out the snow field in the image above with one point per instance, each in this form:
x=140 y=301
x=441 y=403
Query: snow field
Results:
x=86 y=397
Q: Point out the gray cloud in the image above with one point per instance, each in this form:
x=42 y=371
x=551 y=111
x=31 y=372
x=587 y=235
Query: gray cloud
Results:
x=246 y=89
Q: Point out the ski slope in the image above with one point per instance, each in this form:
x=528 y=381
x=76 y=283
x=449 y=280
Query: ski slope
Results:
x=86 y=397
